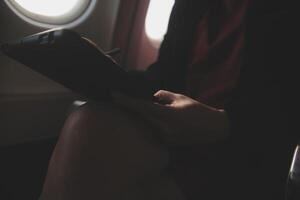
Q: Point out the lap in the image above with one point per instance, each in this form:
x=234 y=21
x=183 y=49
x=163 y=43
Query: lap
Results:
x=104 y=144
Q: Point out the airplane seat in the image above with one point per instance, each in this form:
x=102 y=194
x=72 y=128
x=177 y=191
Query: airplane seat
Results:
x=23 y=168
x=293 y=181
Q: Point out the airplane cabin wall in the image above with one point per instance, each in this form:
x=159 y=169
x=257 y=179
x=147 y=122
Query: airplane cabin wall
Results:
x=138 y=51
x=142 y=51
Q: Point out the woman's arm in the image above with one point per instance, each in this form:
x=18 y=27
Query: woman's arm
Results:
x=180 y=119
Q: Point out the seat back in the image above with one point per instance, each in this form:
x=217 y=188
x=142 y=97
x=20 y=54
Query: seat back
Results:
x=293 y=182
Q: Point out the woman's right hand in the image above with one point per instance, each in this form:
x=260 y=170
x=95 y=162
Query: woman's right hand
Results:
x=182 y=120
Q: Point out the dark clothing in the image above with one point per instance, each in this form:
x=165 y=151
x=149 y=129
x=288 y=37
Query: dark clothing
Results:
x=216 y=56
x=254 y=162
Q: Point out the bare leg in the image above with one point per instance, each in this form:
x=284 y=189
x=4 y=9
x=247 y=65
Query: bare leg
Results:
x=107 y=153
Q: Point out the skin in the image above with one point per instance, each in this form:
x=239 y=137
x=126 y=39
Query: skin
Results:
x=111 y=151
x=180 y=119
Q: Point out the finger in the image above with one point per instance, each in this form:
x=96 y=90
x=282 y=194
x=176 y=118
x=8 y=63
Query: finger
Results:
x=166 y=96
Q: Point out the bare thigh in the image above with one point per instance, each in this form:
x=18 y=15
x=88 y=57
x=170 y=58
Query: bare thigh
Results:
x=105 y=152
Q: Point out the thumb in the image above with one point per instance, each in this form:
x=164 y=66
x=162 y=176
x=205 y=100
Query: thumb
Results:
x=166 y=97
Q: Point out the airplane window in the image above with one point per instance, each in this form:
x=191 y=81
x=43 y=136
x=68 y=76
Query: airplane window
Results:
x=157 y=18
x=52 y=13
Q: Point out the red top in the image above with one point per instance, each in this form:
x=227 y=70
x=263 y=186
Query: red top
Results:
x=217 y=55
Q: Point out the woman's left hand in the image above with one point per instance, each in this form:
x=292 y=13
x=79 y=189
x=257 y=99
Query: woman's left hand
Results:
x=182 y=120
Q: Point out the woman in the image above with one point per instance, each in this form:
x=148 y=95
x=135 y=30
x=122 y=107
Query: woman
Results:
x=224 y=133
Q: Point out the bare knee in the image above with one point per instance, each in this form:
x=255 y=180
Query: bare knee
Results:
x=110 y=130
x=101 y=142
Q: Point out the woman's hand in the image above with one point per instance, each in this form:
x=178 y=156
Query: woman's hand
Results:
x=181 y=120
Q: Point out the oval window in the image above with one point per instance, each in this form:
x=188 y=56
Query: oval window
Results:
x=52 y=13
x=157 y=18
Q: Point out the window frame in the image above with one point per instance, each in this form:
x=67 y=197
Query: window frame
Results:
x=73 y=18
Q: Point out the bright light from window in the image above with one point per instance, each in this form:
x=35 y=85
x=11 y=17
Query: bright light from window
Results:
x=158 y=18
x=48 y=7
x=52 y=13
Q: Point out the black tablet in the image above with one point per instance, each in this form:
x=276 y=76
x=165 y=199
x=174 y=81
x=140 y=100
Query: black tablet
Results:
x=75 y=62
